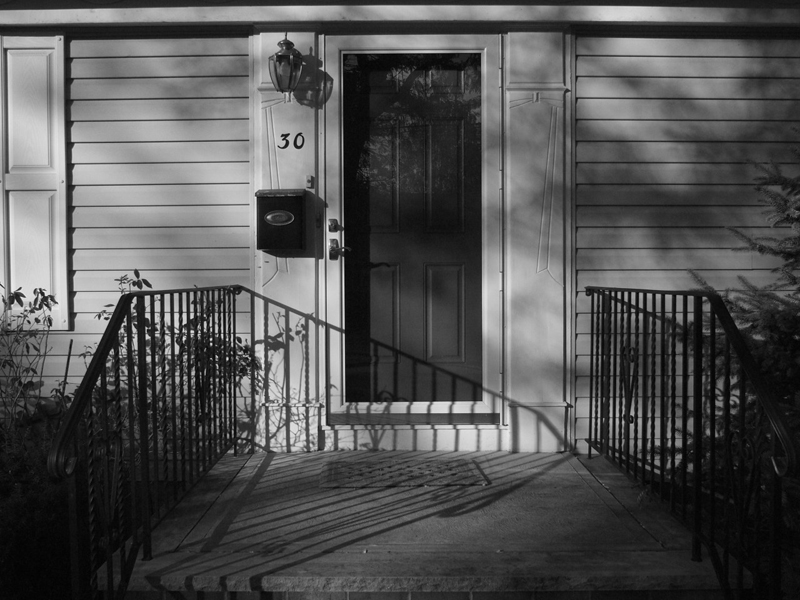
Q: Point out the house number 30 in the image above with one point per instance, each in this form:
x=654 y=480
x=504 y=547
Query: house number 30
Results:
x=298 y=141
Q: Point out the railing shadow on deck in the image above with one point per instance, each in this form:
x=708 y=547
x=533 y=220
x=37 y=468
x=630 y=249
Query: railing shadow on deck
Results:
x=677 y=402
x=283 y=535
x=180 y=378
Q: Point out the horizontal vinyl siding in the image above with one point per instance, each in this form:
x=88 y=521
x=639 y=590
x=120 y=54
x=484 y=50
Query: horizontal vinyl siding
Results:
x=667 y=131
x=160 y=168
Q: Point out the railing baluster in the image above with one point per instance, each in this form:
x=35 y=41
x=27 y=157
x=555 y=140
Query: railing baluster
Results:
x=627 y=384
x=740 y=470
x=150 y=329
x=614 y=445
x=727 y=456
x=268 y=358
x=776 y=526
x=132 y=397
x=606 y=377
x=685 y=407
x=253 y=375
x=144 y=435
x=121 y=499
x=192 y=426
x=712 y=434
x=697 y=422
x=593 y=379
x=201 y=375
x=644 y=386
x=648 y=410
x=658 y=414
x=161 y=398
x=93 y=493
x=216 y=406
x=183 y=357
x=173 y=397
x=106 y=512
x=287 y=379
x=230 y=405
x=673 y=400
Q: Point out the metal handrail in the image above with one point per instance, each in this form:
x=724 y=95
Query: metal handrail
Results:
x=136 y=460
x=678 y=401
x=778 y=421
x=59 y=463
x=788 y=465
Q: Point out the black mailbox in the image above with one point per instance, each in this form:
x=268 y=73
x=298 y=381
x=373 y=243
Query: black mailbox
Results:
x=281 y=223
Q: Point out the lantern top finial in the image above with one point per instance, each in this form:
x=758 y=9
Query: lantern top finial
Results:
x=286 y=45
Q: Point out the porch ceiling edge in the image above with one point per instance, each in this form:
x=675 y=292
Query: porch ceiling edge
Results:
x=511 y=15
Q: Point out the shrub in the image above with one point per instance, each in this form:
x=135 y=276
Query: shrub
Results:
x=34 y=530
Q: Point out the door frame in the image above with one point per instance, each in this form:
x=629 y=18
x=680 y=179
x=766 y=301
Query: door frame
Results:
x=331 y=284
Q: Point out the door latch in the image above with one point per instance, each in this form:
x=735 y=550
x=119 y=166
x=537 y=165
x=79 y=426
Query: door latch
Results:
x=335 y=250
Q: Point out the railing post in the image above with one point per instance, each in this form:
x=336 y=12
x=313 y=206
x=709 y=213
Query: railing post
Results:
x=233 y=370
x=593 y=354
x=697 y=433
x=144 y=434
x=776 y=540
x=605 y=372
x=78 y=527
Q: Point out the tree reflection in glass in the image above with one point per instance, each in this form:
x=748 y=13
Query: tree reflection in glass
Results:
x=412 y=213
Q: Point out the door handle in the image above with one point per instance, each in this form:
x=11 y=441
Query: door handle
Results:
x=335 y=250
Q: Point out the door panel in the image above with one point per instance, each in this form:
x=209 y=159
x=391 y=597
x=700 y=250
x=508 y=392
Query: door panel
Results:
x=412 y=133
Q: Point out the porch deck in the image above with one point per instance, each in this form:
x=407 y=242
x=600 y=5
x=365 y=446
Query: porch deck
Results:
x=546 y=526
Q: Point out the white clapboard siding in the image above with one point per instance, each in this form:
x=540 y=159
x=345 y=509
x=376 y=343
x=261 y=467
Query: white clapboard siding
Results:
x=667 y=131
x=219 y=215
x=697 y=87
x=158 y=87
x=691 y=239
x=670 y=194
x=685 y=131
x=150 y=109
x=157 y=195
x=160 y=152
x=160 y=170
x=160 y=131
x=159 y=66
x=667 y=134
x=107 y=238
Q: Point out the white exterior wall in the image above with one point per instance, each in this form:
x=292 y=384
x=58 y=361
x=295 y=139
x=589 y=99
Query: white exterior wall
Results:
x=169 y=139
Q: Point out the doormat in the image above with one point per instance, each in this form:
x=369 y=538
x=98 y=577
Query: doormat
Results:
x=400 y=473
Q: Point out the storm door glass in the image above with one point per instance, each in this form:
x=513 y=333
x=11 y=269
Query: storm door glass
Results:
x=412 y=221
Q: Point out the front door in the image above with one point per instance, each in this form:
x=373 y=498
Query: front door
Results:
x=411 y=210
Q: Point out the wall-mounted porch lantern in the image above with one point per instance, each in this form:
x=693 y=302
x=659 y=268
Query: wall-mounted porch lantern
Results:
x=285 y=67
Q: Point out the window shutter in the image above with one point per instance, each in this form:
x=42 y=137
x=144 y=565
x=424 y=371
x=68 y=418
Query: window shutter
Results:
x=34 y=215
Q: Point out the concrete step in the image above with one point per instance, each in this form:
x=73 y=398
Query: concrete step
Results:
x=420 y=438
x=540 y=595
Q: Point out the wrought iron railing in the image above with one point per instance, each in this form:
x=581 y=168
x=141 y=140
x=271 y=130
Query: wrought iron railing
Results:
x=678 y=402
x=171 y=387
